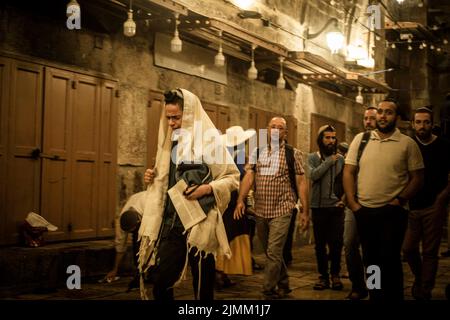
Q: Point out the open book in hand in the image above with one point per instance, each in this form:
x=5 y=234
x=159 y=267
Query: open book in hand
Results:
x=189 y=211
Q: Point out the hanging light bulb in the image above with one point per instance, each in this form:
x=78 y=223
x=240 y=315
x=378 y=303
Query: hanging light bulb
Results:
x=175 y=44
x=359 y=97
x=410 y=48
x=281 y=83
x=409 y=40
x=393 y=46
x=438 y=49
x=400 y=1
x=129 y=26
x=432 y=47
x=252 y=73
x=421 y=47
x=424 y=44
x=420 y=4
x=332 y=2
x=219 y=59
x=445 y=41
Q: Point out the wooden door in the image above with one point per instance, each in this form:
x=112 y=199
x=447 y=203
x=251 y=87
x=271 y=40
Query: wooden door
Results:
x=211 y=112
x=108 y=159
x=85 y=157
x=223 y=119
x=5 y=70
x=56 y=151
x=292 y=131
x=317 y=121
x=24 y=145
x=154 y=110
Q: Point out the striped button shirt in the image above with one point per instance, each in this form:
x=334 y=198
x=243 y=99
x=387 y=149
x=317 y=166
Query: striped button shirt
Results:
x=273 y=195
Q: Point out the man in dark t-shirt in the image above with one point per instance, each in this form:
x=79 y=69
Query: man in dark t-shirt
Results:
x=428 y=207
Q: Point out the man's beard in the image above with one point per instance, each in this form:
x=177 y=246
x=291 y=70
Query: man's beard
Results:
x=388 y=128
x=424 y=134
x=328 y=150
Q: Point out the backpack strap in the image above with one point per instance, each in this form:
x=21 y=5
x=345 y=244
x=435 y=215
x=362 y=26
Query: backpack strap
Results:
x=362 y=145
x=290 y=160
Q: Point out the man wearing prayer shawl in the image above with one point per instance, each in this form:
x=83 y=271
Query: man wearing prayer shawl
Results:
x=186 y=134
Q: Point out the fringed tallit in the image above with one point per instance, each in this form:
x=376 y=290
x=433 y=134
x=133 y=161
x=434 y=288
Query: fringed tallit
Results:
x=208 y=236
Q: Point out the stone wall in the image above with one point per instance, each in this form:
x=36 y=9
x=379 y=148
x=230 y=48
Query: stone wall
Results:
x=130 y=61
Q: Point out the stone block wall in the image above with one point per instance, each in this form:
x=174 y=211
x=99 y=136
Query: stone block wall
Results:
x=130 y=61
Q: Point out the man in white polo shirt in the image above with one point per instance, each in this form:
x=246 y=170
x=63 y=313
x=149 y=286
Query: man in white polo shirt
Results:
x=389 y=173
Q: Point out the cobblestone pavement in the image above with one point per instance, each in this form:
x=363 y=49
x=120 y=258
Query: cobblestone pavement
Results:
x=302 y=277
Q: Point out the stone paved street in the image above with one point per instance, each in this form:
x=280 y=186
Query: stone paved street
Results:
x=302 y=277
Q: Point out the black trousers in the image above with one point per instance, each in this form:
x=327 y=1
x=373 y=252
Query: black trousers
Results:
x=328 y=227
x=381 y=231
x=171 y=258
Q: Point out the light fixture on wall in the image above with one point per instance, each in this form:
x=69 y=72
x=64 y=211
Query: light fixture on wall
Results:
x=129 y=26
x=281 y=83
x=175 y=44
x=359 y=97
x=252 y=73
x=335 y=38
x=335 y=41
x=219 y=59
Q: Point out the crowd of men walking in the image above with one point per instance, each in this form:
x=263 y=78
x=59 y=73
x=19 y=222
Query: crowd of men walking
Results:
x=385 y=193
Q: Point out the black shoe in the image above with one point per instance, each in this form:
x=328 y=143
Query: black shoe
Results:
x=357 y=295
x=336 y=283
x=226 y=282
x=419 y=294
x=283 y=292
x=134 y=283
x=322 y=284
x=270 y=295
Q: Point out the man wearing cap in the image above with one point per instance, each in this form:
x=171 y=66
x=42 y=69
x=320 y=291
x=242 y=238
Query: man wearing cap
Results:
x=352 y=244
x=428 y=207
x=128 y=221
x=325 y=167
x=275 y=200
x=378 y=188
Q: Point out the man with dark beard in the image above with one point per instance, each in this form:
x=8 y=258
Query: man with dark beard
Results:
x=428 y=207
x=327 y=208
x=378 y=187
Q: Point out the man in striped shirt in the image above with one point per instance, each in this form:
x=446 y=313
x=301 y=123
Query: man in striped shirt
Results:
x=275 y=201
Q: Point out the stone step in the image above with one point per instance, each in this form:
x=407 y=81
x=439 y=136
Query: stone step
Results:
x=44 y=269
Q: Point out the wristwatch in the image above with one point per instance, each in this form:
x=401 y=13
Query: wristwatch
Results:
x=401 y=200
